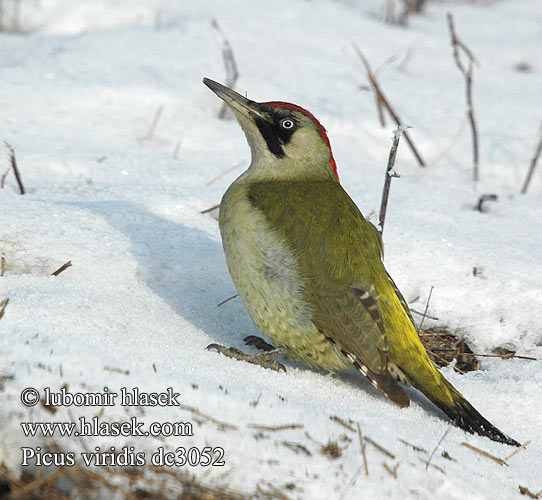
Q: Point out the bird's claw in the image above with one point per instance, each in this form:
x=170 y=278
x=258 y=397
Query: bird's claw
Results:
x=258 y=343
x=265 y=360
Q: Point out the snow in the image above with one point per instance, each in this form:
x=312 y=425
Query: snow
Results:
x=139 y=305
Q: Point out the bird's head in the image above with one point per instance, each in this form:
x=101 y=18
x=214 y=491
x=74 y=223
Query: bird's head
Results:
x=286 y=141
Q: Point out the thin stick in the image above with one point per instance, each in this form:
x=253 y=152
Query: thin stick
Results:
x=517 y=450
x=226 y=172
x=207 y=210
x=154 y=123
x=389 y=174
x=382 y=99
x=227 y=300
x=4 y=175
x=114 y=369
x=13 y=162
x=198 y=413
x=483 y=199
x=363 y=446
x=379 y=447
x=500 y=461
x=63 y=267
x=502 y=356
x=232 y=74
x=393 y=471
x=534 y=160
x=276 y=427
x=339 y=420
x=413 y=311
x=426 y=307
x=467 y=74
x=3 y=306
x=436 y=447
x=2 y=264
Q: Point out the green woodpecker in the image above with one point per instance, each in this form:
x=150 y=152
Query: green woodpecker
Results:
x=308 y=266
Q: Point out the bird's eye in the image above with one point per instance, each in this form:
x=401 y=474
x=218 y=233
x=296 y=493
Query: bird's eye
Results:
x=287 y=123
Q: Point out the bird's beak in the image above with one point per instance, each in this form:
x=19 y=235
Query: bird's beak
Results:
x=241 y=105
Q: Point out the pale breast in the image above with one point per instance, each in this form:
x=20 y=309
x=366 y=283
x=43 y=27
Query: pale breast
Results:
x=265 y=272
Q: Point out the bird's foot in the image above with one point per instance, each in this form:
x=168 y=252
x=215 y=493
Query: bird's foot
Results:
x=258 y=343
x=264 y=359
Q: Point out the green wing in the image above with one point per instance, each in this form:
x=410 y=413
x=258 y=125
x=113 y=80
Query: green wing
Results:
x=340 y=264
x=353 y=322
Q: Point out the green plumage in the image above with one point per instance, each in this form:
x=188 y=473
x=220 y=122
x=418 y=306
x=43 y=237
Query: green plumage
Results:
x=309 y=268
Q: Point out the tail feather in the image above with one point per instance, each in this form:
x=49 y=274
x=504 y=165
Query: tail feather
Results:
x=465 y=416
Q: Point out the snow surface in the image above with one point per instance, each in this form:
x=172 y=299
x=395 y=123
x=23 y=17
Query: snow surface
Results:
x=78 y=94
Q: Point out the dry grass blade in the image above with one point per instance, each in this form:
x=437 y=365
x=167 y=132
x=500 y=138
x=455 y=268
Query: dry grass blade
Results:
x=500 y=461
x=154 y=123
x=274 y=428
x=38 y=485
x=363 y=454
x=116 y=370
x=297 y=447
x=63 y=267
x=509 y=355
x=379 y=447
x=13 y=162
x=426 y=307
x=436 y=447
x=226 y=172
x=196 y=412
x=3 y=306
x=393 y=472
x=517 y=450
x=413 y=446
x=207 y=210
x=227 y=300
x=532 y=166
x=340 y=421
x=443 y=348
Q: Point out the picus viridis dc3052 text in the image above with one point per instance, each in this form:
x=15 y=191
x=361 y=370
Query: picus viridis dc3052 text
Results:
x=308 y=266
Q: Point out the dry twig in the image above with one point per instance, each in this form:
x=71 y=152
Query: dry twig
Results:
x=426 y=307
x=3 y=306
x=379 y=447
x=363 y=454
x=340 y=421
x=154 y=123
x=390 y=172
x=393 y=472
x=198 y=413
x=517 y=450
x=63 y=267
x=13 y=162
x=275 y=427
x=534 y=160
x=230 y=65
x=525 y=491
x=207 y=210
x=428 y=463
x=500 y=461
x=483 y=199
x=381 y=99
x=114 y=369
x=226 y=172
x=457 y=44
